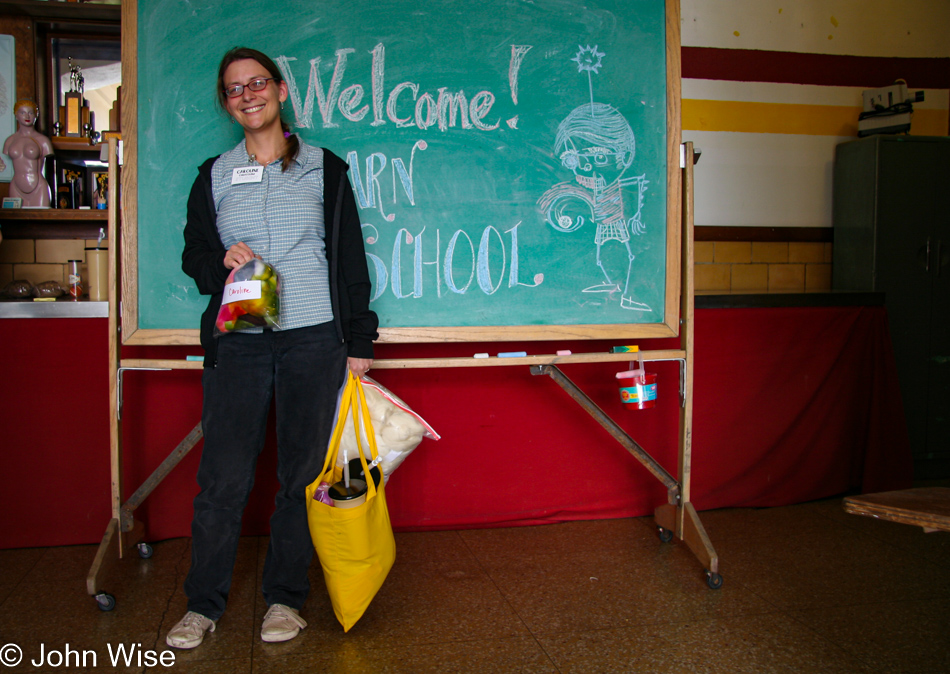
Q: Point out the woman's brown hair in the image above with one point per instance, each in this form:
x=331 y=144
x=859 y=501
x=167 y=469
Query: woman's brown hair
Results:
x=240 y=54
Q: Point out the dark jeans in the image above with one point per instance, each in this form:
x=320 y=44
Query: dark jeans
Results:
x=304 y=368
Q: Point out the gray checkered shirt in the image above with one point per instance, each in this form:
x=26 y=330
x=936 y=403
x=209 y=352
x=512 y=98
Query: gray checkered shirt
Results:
x=281 y=219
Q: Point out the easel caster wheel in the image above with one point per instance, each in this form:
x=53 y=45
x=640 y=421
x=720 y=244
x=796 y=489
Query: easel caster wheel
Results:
x=145 y=550
x=713 y=580
x=105 y=601
x=665 y=534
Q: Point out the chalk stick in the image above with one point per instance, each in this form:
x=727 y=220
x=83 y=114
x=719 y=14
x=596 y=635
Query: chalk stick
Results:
x=564 y=352
x=44 y=299
x=512 y=354
x=481 y=355
x=197 y=359
x=625 y=349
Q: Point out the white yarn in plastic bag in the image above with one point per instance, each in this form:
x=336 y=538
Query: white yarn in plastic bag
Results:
x=397 y=428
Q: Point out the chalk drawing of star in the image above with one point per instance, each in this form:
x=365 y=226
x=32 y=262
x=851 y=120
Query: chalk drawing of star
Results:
x=589 y=59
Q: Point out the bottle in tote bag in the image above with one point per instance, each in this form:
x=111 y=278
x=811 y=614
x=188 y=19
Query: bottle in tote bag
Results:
x=344 y=496
x=349 y=493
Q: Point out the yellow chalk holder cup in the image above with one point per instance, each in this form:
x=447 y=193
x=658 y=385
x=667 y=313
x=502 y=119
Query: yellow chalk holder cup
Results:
x=637 y=387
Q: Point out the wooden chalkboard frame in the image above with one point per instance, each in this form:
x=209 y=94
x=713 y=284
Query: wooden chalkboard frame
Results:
x=132 y=334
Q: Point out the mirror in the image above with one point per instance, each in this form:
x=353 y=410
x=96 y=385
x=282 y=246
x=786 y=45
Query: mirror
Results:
x=100 y=64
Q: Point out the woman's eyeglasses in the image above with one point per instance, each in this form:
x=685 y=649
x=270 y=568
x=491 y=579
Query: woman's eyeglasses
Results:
x=235 y=90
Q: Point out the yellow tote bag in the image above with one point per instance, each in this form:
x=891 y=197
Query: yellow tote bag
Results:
x=355 y=545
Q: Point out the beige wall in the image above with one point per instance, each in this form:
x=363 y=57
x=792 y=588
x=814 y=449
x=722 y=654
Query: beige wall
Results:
x=763 y=266
x=907 y=28
x=41 y=260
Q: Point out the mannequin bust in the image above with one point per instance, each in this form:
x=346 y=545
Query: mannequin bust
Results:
x=27 y=147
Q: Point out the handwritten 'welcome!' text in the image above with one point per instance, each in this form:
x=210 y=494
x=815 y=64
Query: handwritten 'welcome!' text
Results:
x=404 y=105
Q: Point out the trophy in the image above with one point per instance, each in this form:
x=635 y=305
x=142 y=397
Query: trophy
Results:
x=74 y=116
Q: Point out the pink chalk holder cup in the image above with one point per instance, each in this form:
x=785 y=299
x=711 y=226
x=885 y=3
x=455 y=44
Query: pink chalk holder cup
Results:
x=637 y=387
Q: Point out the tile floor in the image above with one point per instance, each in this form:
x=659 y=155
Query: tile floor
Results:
x=807 y=588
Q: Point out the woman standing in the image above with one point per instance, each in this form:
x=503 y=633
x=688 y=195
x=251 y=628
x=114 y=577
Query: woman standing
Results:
x=28 y=148
x=298 y=214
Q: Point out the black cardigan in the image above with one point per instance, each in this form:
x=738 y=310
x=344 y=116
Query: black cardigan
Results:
x=350 y=287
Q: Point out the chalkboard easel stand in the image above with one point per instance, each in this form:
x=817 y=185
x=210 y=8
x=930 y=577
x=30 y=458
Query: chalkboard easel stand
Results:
x=677 y=517
x=680 y=517
x=123 y=532
x=159 y=69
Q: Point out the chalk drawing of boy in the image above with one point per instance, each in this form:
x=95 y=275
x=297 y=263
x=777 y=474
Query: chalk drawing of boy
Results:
x=596 y=143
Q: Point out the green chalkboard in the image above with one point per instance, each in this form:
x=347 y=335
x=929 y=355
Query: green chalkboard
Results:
x=511 y=158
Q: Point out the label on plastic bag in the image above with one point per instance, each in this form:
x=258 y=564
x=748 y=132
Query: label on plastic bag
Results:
x=241 y=290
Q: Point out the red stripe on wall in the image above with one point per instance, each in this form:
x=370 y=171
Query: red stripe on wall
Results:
x=749 y=65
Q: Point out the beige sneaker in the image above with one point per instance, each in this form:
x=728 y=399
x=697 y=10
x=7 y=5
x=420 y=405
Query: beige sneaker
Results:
x=281 y=623
x=190 y=631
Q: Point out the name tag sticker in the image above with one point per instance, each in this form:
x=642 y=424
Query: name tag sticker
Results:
x=241 y=290
x=247 y=174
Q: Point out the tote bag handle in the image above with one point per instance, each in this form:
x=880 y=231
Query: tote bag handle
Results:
x=353 y=402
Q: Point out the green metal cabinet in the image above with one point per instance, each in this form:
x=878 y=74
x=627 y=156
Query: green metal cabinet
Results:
x=892 y=234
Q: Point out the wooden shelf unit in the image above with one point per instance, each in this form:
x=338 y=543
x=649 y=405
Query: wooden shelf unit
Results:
x=70 y=18
x=74 y=11
x=78 y=144
x=53 y=214
x=52 y=223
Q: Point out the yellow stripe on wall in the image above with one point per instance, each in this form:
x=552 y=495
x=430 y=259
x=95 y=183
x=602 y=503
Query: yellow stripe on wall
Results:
x=810 y=120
